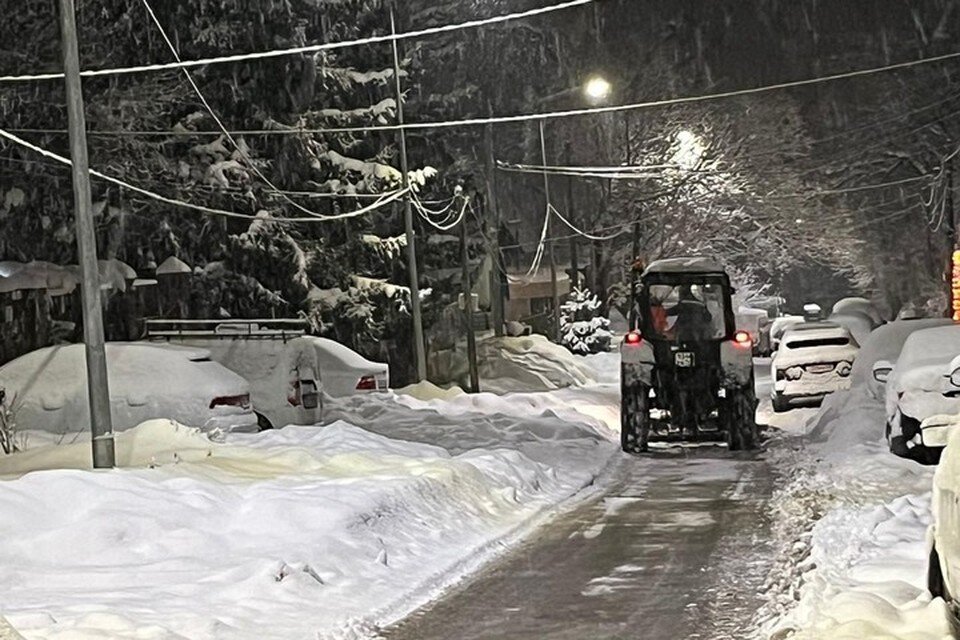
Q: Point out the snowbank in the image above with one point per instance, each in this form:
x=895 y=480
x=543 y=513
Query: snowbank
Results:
x=529 y=363
x=298 y=533
x=851 y=524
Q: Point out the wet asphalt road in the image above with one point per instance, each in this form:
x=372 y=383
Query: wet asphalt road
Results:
x=678 y=548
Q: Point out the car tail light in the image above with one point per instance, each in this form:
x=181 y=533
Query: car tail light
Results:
x=367 y=383
x=743 y=338
x=633 y=337
x=242 y=400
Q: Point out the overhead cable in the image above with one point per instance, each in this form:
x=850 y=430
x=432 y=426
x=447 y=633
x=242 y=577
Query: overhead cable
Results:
x=243 y=153
x=386 y=199
x=313 y=48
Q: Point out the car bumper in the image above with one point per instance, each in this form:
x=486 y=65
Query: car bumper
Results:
x=810 y=387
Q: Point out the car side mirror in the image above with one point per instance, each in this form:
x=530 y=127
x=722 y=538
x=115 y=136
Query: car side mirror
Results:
x=881 y=371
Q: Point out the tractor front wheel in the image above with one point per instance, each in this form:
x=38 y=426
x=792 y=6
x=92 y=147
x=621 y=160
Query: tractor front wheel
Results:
x=739 y=415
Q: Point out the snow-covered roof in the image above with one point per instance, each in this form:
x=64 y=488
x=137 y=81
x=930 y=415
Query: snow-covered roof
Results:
x=690 y=264
x=172 y=265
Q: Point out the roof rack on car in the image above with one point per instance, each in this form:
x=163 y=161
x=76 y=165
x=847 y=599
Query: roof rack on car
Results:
x=229 y=329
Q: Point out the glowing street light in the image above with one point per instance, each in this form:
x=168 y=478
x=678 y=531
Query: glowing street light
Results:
x=597 y=89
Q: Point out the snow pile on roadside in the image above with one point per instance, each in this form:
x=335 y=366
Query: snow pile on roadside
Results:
x=851 y=525
x=529 y=363
x=302 y=532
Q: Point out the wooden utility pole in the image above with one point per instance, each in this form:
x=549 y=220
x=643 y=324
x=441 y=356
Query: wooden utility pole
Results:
x=553 y=263
x=468 y=309
x=98 y=390
x=420 y=351
x=492 y=218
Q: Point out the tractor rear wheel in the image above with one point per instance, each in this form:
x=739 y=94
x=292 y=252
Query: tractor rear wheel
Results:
x=635 y=418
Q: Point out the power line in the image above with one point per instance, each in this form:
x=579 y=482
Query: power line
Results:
x=314 y=48
x=386 y=199
x=220 y=124
x=549 y=115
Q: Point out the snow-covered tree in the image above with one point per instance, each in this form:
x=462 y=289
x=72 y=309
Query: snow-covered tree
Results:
x=582 y=329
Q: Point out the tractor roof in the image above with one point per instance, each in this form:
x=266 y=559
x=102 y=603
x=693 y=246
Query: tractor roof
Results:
x=691 y=264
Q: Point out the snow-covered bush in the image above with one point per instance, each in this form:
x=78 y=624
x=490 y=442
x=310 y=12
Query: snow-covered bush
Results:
x=582 y=329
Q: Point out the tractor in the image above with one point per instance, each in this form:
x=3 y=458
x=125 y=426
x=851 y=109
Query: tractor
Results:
x=686 y=371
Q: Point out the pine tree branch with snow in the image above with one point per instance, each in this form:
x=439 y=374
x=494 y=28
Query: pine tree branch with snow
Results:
x=582 y=329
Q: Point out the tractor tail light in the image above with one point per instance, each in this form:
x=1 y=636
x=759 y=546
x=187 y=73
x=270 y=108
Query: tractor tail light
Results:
x=633 y=338
x=742 y=338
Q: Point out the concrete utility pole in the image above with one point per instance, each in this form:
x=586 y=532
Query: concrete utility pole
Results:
x=420 y=350
x=468 y=309
x=493 y=232
x=553 y=263
x=101 y=427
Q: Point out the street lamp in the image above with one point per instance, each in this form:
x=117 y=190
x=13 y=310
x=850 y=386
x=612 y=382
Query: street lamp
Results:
x=597 y=89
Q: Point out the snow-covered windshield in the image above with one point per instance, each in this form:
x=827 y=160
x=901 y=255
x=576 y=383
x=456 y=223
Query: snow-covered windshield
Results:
x=687 y=312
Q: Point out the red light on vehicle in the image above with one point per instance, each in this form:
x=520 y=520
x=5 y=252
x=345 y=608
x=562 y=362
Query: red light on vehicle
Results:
x=242 y=401
x=367 y=383
x=742 y=337
x=633 y=337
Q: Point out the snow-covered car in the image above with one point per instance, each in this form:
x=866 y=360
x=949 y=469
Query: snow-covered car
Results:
x=274 y=357
x=943 y=536
x=345 y=372
x=879 y=352
x=858 y=307
x=757 y=323
x=289 y=372
x=814 y=359
x=47 y=389
x=915 y=392
x=779 y=326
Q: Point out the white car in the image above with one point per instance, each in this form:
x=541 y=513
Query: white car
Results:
x=915 y=392
x=345 y=372
x=47 y=389
x=779 y=326
x=943 y=536
x=288 y=371
x=814 y=359
x=881 y=349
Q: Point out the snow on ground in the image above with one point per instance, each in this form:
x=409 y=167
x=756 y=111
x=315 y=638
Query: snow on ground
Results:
x=302 y=532
x=851 y=522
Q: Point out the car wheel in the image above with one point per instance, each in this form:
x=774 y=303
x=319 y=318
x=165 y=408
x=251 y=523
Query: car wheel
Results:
x=262 y=423
x=935 y=583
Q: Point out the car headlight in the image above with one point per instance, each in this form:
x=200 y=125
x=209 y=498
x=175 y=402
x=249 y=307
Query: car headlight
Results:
x=794 y=373
x=844 y=368
x=955 y=378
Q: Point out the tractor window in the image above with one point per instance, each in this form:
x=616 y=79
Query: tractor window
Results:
x=687 y=312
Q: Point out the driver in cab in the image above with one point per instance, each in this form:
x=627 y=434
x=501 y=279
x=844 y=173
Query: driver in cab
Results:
x=694 y=321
